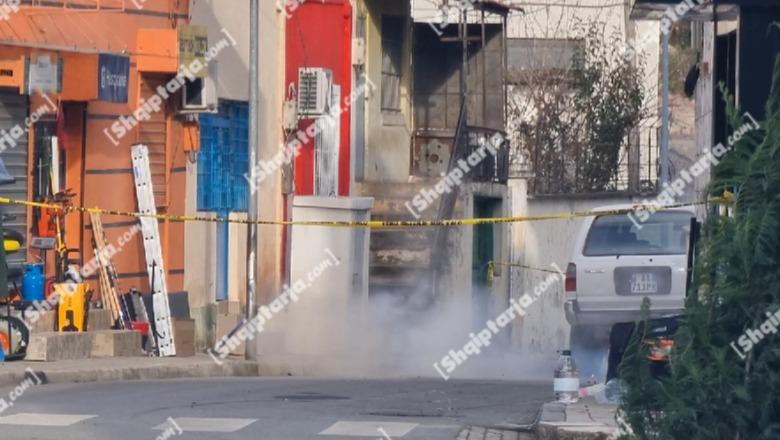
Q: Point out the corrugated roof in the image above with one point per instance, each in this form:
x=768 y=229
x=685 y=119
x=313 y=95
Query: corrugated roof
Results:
x=68 y=29
x=496 y=6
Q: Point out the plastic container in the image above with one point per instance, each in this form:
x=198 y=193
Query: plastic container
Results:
x=32 y=282
x=48 y=287
x=141 y=327
x=611 y=392
x=566 y=382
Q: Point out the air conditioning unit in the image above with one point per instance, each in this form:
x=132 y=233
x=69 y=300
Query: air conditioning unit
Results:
x=200 y=95
x=314 y=91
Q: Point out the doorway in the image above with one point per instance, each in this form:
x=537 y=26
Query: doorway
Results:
x=483 y=252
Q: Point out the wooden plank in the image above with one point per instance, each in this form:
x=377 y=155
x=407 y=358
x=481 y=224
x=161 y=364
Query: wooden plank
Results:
x=106 y=271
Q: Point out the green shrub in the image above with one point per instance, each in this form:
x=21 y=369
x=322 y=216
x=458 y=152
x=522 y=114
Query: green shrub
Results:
x=711 y=391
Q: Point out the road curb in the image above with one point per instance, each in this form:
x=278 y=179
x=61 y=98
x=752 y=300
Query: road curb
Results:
x=556 y=424
x=487 y=433
x=46 y=374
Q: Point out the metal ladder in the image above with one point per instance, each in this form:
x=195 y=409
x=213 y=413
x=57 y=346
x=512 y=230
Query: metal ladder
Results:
x=154 y=261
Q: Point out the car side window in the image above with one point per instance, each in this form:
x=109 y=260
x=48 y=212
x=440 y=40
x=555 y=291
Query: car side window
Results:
x=664 y=233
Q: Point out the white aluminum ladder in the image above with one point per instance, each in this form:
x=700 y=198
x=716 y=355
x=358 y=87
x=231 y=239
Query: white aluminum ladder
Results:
x=154 y=261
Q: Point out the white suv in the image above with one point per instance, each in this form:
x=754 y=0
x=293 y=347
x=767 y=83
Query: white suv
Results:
x=618 y=261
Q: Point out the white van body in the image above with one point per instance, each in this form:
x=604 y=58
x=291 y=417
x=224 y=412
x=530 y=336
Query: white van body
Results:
x=618 y=260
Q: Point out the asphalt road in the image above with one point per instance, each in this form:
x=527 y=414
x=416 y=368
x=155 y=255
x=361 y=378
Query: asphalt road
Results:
x=268 y=409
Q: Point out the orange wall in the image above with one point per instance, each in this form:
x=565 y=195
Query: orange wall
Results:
x=105 y=176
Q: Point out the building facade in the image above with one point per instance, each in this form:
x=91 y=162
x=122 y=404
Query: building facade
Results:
x=83 y=84
x=216 y=259
x=541 y=40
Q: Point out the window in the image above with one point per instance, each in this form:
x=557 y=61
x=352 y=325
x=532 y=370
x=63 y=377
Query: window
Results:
x=664 y=233
x=222 y=159
x=392 y=60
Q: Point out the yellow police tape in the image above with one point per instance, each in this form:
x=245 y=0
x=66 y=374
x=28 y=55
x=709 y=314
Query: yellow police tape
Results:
x=491 y=269
x=352 y=224
x=492 y=264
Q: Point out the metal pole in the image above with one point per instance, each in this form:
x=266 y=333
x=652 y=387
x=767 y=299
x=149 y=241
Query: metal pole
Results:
x=223 y=238
x=483 y=60
x=254 y=132
x=465 y=52
x=664 y=108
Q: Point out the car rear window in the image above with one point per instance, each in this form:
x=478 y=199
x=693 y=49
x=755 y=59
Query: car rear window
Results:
x=664 y=233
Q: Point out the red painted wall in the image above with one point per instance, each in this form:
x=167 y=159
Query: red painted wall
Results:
x=319 y=34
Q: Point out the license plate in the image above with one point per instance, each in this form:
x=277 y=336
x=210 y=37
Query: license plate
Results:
x=643 y=283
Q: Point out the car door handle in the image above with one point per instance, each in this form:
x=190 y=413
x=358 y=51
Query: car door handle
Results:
x=595 y=270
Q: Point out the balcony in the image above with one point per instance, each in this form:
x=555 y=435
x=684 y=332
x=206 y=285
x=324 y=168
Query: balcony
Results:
x=493 y=168
x=432 y=151
x=573 y=169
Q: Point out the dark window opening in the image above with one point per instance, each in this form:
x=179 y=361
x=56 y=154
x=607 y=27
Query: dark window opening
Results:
x=664 y=233
x=392 y=61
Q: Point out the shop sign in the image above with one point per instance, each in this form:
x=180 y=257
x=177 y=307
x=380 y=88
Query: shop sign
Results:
x=113 y=77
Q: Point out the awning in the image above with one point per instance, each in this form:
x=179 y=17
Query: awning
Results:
x=95 y=46
x=59 y=29
x=496 y=6
x=655 y=9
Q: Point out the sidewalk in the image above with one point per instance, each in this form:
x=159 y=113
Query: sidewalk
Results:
x=482 y=433
x=584 y=420
x=127 y=368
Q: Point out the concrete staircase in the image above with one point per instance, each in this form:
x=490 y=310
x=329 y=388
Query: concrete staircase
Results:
x=400 y=264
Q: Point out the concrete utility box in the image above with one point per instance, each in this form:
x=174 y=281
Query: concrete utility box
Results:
x=184 y=336
x=115 y=343
x=332 y=264
x=55 y=346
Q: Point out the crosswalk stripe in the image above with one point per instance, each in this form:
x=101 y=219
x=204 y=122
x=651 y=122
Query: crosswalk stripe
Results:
x=42 y=419
x=369 y=429
x=204 y=424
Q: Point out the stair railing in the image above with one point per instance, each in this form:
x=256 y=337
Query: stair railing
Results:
x=449 y=199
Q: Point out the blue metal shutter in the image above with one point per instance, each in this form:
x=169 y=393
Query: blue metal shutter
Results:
x=222 y=160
